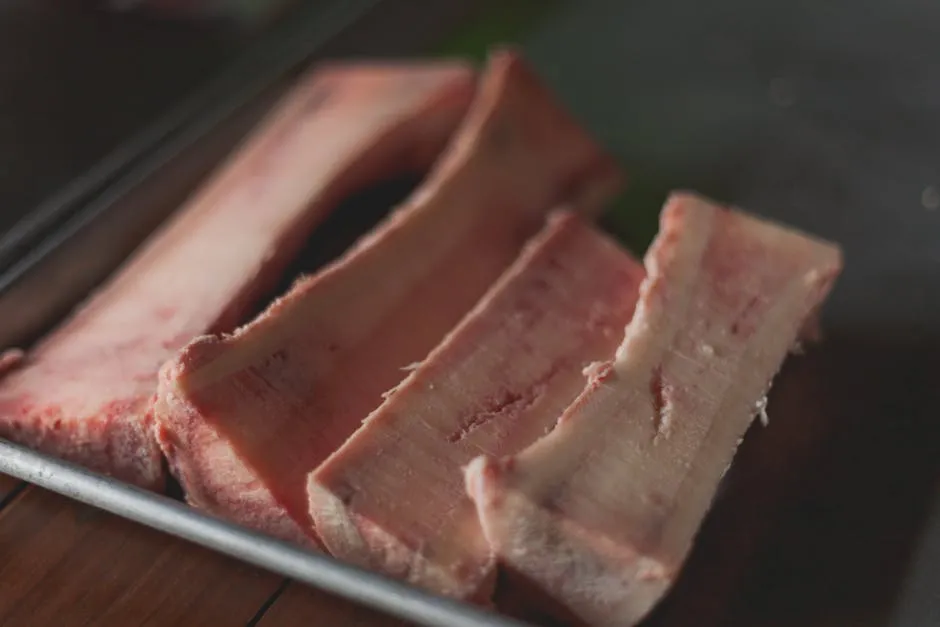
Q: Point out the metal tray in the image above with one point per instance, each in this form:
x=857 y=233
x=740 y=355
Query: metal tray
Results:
x=826 y=120
x=165 y=514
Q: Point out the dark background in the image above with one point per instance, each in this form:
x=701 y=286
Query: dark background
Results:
x=74 y=84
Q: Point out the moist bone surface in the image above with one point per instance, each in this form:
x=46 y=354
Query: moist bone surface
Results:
x=600 y=514
x=392 y=497
x=281 y=394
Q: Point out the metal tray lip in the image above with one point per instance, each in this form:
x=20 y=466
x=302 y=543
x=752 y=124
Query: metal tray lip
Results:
x=319 y=570
x=261 y=65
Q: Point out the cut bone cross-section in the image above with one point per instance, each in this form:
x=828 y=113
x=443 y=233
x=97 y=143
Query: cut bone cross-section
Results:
x=243 y=419
x=598 y=516
x=85 y=392
x=392 y=497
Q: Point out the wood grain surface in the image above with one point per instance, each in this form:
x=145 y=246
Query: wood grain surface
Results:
x=64 y=564
x=7 y=485
x=300 y=606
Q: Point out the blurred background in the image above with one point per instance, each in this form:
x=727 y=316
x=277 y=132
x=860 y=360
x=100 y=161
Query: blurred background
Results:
x=823 y=114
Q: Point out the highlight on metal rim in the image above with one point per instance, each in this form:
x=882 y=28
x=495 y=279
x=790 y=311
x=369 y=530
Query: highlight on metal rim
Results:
x=164 y=514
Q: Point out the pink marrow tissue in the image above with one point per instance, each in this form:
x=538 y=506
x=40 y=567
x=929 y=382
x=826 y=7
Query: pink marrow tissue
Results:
x=84 y=393
x=599 y=515
x=243 y=418
x=392 y=497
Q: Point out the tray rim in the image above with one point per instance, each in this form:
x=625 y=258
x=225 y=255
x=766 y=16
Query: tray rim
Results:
x=175 y=518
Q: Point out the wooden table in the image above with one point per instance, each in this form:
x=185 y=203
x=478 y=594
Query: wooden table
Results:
x=64 y=563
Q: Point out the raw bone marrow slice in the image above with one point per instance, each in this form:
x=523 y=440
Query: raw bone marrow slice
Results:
x=85 y=392
x=600 y=514
x=391 y=498
x=285 y=391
